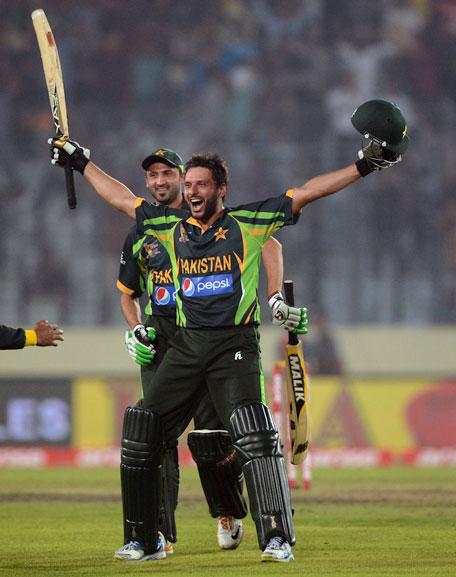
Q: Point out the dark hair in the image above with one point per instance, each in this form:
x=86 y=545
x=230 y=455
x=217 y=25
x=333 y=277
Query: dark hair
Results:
x=214 y=162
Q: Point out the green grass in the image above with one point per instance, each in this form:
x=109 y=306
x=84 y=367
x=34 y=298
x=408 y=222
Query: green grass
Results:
x=379 y=522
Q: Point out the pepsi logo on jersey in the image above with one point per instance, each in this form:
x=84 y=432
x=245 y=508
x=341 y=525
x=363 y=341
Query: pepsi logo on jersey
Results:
x=165 y=295
x=207 y=285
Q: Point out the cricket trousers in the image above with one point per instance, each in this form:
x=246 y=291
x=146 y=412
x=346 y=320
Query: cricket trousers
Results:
x=205 y=416
x=225 y=362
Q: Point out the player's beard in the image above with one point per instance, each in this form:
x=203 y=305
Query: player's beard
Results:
x=166 y=196
x=210 y=208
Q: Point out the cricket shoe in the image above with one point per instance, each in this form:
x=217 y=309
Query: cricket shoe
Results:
x=277 y=549
x=168 y=547
x=133 y=551
x=229 y=532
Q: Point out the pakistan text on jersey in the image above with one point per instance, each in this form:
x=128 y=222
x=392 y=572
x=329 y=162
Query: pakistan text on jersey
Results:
x=161 y=276
x=205 y=265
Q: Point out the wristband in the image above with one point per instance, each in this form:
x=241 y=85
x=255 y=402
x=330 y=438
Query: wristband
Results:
x=363 y=167
x=30 y=338
x=79 y=161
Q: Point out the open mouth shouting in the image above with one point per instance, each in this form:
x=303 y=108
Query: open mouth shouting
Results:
x=196 y=206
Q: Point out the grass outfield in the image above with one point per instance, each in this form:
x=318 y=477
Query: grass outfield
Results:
x=380 y=522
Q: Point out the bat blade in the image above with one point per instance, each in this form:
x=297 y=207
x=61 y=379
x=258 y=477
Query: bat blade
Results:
x=299 y=403
x=54 y=82
x=52 y=72
x=298 y=391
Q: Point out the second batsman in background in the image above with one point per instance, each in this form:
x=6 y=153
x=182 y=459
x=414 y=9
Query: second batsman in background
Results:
x=217 y=339
x=146 y=266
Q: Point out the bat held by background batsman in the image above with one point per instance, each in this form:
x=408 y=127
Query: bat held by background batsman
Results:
x=56 y=93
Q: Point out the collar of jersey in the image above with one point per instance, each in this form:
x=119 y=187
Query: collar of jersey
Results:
x=195 y=222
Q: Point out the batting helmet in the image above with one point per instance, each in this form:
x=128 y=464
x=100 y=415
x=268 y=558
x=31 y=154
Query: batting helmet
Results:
x=383 y=121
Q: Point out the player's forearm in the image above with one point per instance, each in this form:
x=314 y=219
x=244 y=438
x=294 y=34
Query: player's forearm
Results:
x=273 y=265
x=131 y=310
x=42 y=335
x=114 y=192
x=324 y=185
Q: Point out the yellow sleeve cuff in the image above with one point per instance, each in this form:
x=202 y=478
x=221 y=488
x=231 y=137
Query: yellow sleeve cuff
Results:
x=124 y=288
x=30 y=338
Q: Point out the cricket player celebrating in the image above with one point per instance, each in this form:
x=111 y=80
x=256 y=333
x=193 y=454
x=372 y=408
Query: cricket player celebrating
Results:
x=145 y=265
x=215 y=255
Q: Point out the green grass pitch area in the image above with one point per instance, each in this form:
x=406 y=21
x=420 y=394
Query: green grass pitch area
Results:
x=379 y=522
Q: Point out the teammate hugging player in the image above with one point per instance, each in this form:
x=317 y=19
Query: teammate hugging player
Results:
x=217 y=340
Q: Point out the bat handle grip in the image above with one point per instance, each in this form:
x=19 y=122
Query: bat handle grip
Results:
x=69 y=180
x=289 y=298
x=289 y=293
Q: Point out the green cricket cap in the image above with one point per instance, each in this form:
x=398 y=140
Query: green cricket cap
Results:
x=164 y=155
x=383 y=120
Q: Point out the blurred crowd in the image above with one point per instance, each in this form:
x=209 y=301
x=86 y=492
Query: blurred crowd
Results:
x=271 y=86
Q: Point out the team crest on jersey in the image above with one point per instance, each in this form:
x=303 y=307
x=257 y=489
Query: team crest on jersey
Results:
x=152 y=248
x=183 y=234
x=221 y=233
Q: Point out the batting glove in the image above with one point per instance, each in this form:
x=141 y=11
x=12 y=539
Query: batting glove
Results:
x=61 y=150
x=375 y=156
x=139 y=344
x=289 y=318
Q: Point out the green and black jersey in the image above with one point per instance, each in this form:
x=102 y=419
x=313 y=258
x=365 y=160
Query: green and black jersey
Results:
x=216 y=271
x=145 y=265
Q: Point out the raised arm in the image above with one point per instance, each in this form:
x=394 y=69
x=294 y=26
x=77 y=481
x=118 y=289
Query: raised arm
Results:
x=114 y=192
x=385 y=140
x=324 y=185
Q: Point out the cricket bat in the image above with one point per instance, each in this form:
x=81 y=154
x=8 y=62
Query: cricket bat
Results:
x=298 y=393
x=54 y=82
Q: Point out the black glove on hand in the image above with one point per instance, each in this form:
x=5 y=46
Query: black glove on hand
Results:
x=61 y=150
x=374 y=156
